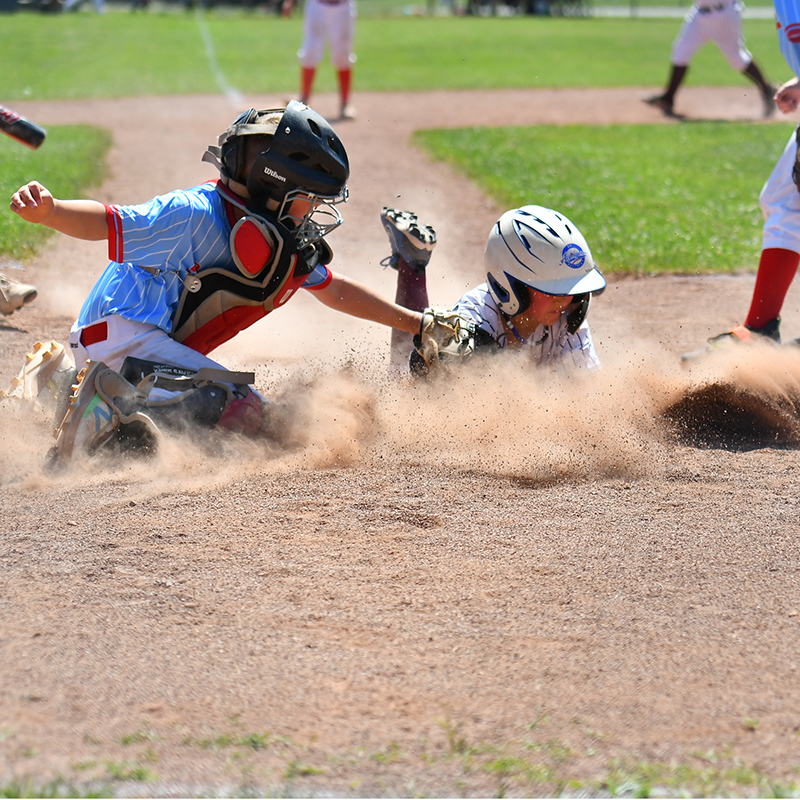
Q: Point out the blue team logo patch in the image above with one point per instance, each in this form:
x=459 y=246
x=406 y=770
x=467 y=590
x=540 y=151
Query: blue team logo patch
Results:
x=573 y=256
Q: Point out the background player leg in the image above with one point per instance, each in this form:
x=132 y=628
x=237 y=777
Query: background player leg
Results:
x=342 y=24
x=666 y=101
x=312 y=47
x=776 y=270
x=306 y=83
x=345 y=77
x=767 y=90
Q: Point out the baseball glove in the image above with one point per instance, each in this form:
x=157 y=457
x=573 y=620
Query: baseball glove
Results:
x=796 y=165
x=444 y=334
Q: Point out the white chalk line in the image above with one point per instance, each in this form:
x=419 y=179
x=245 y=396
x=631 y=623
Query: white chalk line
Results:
x=232 y=93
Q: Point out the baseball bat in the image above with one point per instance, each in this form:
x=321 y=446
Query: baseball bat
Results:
x=21 y=129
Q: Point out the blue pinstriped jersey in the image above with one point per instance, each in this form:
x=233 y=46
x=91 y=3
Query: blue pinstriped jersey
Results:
x=174 y=234
x=787 y=16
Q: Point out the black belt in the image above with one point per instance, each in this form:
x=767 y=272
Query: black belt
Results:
x=709 y=9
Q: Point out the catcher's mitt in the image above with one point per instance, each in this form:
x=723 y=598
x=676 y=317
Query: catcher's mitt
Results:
x=444 y=335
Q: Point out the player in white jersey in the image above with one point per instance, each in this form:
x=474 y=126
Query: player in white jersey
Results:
x=780 y=205
x=192 y=268
x=334 y=22
x=540 y=278
x=718 y=21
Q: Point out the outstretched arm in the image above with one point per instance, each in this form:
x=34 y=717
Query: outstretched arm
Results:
x=82 y=219
x=351 y=297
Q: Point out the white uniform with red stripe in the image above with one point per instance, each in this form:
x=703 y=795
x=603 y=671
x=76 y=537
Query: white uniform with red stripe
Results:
x=780 y=198
x=718 y=21
x=333 y=21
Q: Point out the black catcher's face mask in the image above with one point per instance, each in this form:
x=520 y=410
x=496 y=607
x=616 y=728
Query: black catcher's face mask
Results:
x=299 y=177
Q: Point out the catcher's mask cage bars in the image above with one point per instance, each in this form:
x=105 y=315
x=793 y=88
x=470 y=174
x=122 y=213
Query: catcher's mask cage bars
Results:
x=321 y=218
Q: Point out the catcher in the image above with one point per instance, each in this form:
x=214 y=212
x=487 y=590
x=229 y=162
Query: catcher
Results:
x=191 y=269
x=540 y=278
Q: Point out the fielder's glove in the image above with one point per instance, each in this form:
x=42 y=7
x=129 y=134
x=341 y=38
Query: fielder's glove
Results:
x=796 y=166
x=444 y=334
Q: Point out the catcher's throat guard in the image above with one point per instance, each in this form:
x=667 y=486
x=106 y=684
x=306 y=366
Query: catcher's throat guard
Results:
x=254 y=245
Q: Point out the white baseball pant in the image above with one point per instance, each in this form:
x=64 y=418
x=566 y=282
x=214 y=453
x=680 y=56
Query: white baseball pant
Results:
x=721 y=24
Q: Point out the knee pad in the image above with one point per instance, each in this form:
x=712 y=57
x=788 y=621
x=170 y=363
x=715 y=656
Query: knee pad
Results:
x=243 y=415
x=204 y=398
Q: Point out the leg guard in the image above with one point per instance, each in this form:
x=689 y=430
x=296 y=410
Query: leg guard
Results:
x=106 y=408
x=102 y=409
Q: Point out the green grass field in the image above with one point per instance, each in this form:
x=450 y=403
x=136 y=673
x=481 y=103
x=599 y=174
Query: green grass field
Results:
x=680 y=198
x=72 y=160
x=649 y=197
x=164 y=54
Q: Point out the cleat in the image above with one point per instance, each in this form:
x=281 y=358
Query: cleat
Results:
x=14 y=295
x=410 y=241
x=662 y=104
x=741 y=333
x=45 y=377
x=347 y=112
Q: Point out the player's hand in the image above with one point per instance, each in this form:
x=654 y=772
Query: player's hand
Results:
x=33 y=202
x=788 y=96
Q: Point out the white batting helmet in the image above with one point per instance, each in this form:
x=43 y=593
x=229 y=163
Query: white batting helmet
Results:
x=539 y=248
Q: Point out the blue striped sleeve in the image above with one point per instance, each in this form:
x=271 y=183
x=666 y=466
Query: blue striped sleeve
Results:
x=787 y=16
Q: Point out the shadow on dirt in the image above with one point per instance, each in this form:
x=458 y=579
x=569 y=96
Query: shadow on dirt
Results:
x=724 y=416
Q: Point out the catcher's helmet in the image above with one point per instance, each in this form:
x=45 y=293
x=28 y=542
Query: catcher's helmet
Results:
x=304 y=158
x=539 y=248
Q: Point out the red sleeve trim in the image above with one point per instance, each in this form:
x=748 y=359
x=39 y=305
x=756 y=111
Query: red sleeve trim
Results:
x=114 y=221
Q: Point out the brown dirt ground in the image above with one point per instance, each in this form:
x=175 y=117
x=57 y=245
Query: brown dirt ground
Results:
x=465 y=590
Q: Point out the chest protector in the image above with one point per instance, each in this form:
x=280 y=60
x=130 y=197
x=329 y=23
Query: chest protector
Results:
x=219 y=301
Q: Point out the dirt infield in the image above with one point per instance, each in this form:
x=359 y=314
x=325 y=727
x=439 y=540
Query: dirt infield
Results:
x=514 y=587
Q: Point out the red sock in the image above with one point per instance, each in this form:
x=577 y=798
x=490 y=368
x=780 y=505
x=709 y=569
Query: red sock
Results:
x=776 y=271
x=306 y=82
x=345 y=75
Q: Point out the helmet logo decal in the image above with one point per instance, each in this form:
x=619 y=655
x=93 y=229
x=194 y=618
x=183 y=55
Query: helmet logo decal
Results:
x=273 y=174
x=573 y=256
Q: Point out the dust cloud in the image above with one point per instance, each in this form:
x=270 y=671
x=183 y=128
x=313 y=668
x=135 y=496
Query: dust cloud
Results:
x=499 y=416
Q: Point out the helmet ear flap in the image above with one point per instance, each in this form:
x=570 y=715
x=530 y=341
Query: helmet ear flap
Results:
x=521 y=292
x=233 y=149
x=512 y=295
x=502 y=295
